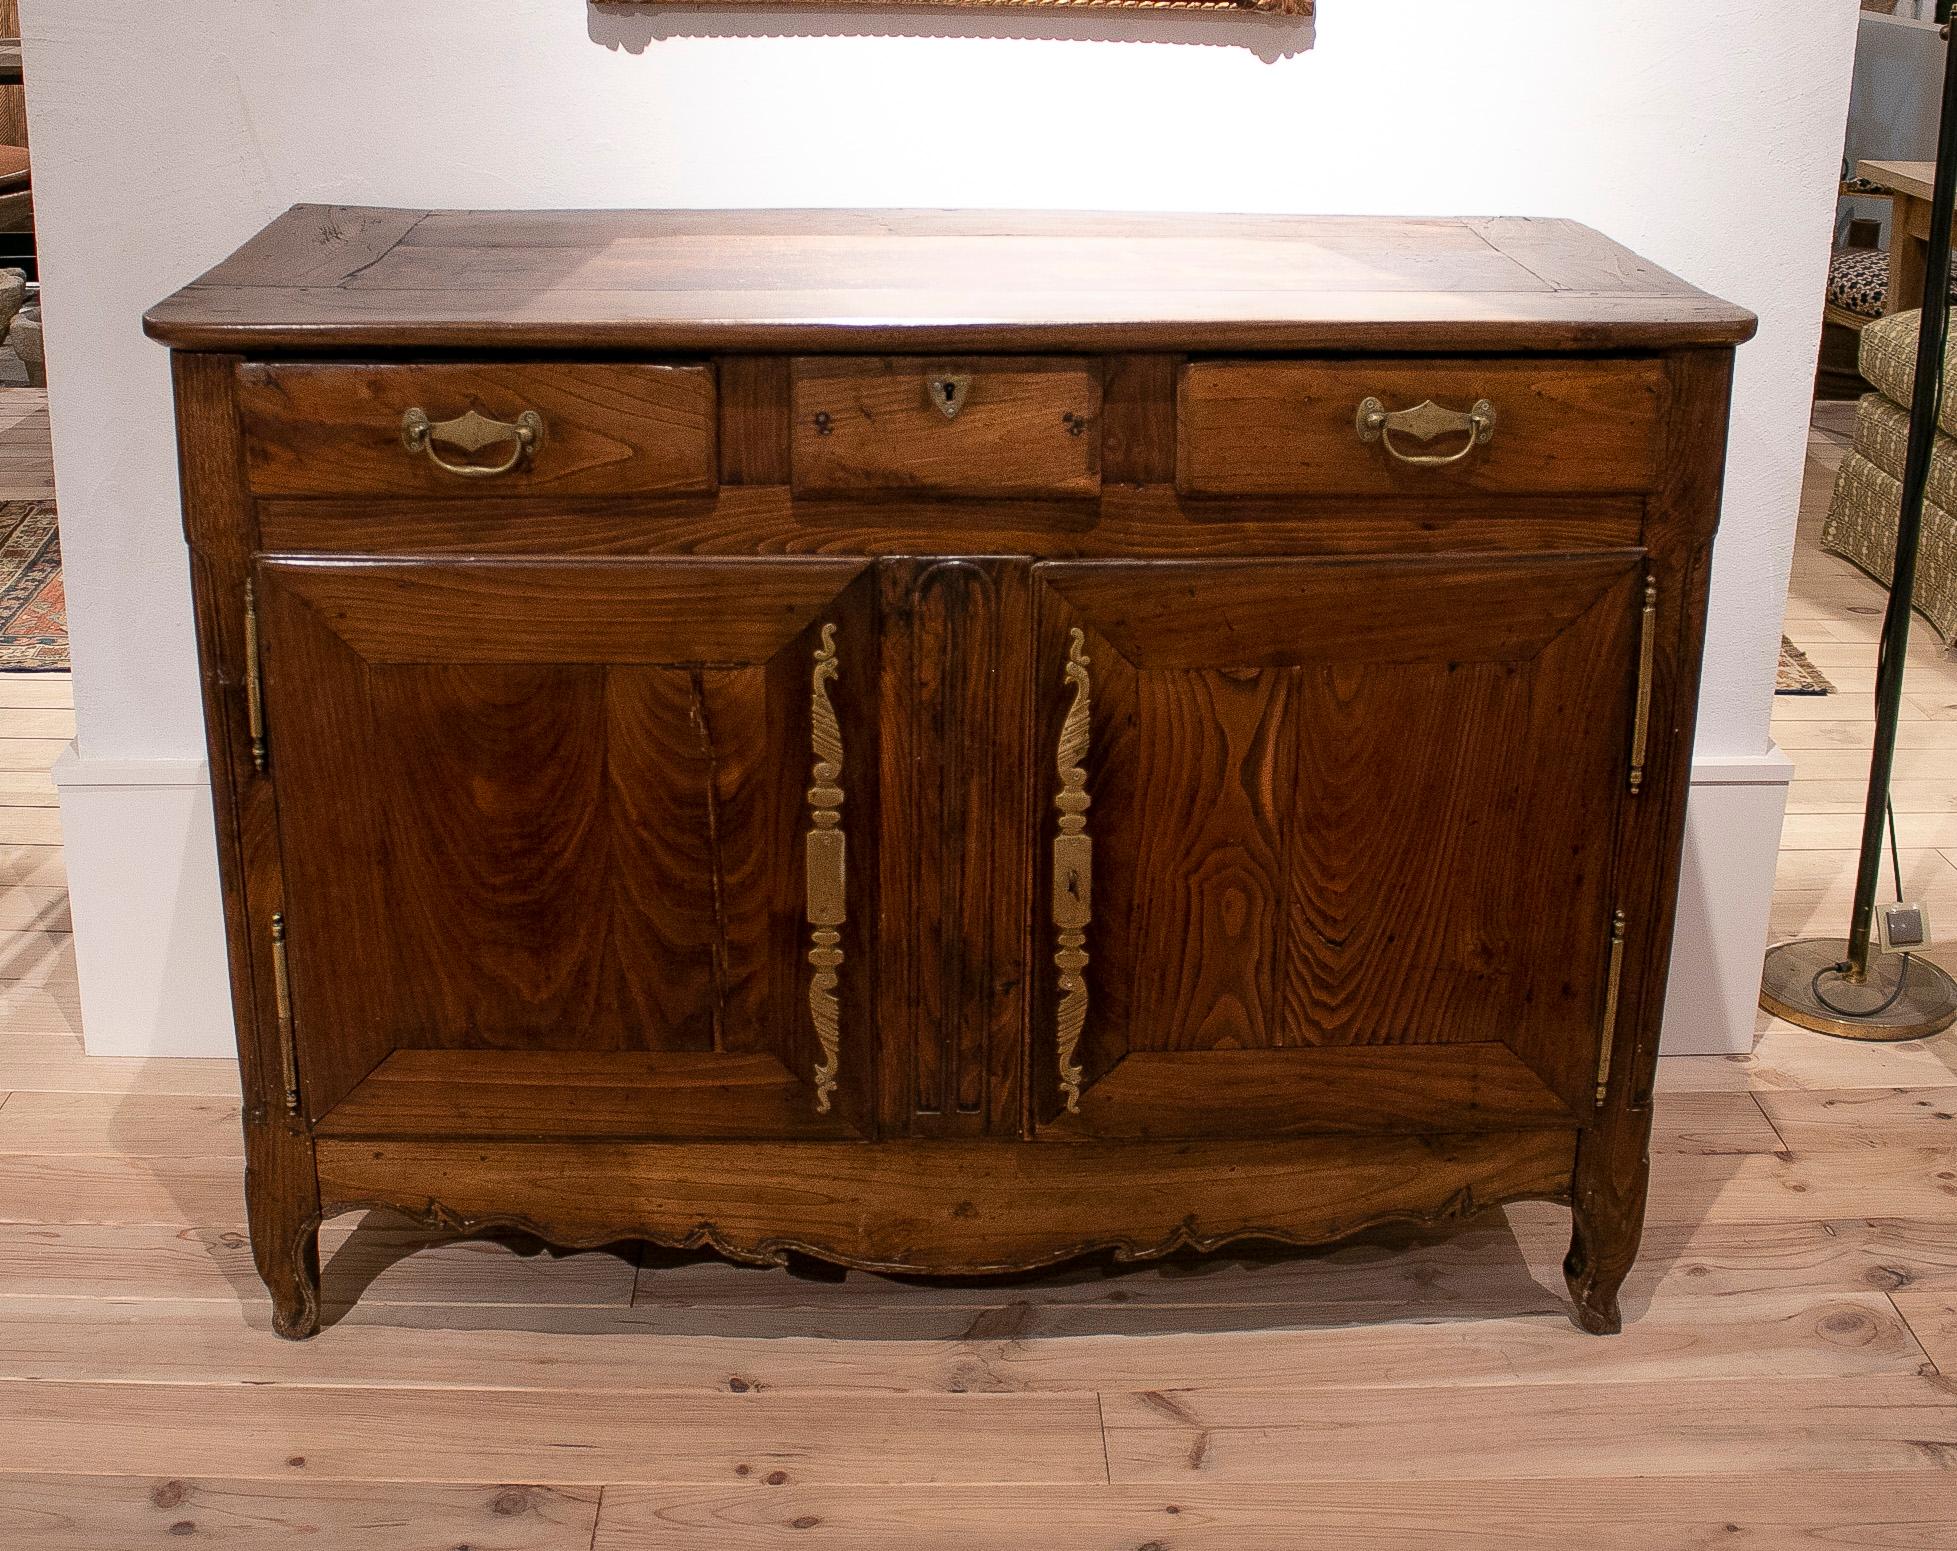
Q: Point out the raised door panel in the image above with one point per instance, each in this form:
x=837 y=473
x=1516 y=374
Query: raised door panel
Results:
x=546 y=834
x=1344 y=860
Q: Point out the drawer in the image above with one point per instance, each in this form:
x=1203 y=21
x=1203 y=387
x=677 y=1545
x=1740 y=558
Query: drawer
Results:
x=980 y=426
x=508 y=428
x=1551 y=426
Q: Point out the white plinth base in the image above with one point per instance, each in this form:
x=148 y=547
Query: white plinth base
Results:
x=149 y=918
x=1732 y=837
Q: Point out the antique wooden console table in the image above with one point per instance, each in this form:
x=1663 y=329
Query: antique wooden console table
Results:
x=946 y=742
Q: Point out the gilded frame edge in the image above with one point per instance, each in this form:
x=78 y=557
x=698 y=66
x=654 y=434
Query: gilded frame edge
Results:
x=1287 y=8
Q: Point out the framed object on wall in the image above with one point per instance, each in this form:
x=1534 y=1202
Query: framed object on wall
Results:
x=1265 y=7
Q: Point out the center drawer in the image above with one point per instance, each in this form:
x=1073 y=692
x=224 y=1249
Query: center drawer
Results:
x=973 y=425
x=555 y=428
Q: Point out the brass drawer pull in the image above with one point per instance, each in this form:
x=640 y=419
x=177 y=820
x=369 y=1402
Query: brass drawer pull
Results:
x=472 y=433
x=1425 y=421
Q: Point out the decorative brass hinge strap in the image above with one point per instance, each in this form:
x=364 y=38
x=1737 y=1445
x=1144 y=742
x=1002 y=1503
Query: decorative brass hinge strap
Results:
x=1613 y=980
x=282 y=998
x=824 y=856
x=1073 y=871
x=254 y=685
x=1647 y=654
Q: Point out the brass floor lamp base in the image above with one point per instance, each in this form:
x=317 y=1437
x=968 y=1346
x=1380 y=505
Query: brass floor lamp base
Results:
x=1799 y=983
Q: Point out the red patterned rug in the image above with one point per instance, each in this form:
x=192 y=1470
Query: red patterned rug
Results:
x=33 y=608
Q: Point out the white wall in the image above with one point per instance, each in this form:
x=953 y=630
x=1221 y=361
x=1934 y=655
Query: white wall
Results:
x=164 y=133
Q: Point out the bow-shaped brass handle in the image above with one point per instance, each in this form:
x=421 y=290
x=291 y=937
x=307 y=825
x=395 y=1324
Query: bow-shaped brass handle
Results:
x=1425 y=421
x=471 y=433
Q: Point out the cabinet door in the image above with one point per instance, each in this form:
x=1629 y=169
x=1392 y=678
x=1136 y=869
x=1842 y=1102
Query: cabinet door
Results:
x=1330 y=841
x=563 y=842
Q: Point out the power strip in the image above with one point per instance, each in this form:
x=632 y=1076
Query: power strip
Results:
x=1903 y=928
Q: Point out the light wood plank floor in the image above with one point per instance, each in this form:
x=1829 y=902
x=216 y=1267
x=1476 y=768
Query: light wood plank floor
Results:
x=1787 y=1376
x=26 y=459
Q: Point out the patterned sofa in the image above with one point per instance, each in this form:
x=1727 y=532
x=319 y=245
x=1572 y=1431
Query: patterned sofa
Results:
x=1868 y=498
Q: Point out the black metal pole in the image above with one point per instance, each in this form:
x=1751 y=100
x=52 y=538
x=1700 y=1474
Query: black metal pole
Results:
x=1925 y=405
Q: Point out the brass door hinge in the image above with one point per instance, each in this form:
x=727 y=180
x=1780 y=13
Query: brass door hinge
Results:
x=1613 y=980
x=1647 y=655
x=282 y=998
x=254 y=685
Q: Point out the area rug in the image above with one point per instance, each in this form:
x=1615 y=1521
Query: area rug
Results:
x=1798 y=676
x=33 y=608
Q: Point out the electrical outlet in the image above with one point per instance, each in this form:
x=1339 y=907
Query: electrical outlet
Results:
x=1903 y=928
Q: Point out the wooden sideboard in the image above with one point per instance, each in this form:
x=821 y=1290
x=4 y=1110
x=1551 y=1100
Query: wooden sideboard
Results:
x=946 y=741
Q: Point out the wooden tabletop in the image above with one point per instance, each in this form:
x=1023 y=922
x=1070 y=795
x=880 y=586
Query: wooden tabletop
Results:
x=325 y=277
x=1911 y=178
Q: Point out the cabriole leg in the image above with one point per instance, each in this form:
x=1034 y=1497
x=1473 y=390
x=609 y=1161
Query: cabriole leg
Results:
x=290 y=1269
x=1607 y=1215
x=282 y=1201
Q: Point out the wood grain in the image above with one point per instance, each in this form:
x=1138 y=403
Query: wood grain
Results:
x=1748 y=1311
x=428 y=1333
x=44 y=1188
x=930 y=281
x=1300 y=795
x=497 y=1095
x=169 y=1268
x=609 y=429
x=1719 y=1427
x=88 y=1513
x=1785 y=1059
x=1302 y=1092
x=1138 y=419
x=43 y=1054
x=1932 y=1316
x=128 y=1125
x=627 y=813
x=1289 y=613
x=281 y=1182
x=1821 y=1120
x=1129 y=522
x=1612 y=1174
x=1501 y=1266
x=966 y=1208
x=670 y=614
x=1287 y=428
x=1917 y=1183
x=954 y=897
x=1673 y=1513
x=334 y=1433
x=1727 y=1312
x=543 y=748
x=754 y=419
x=1029 y=426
